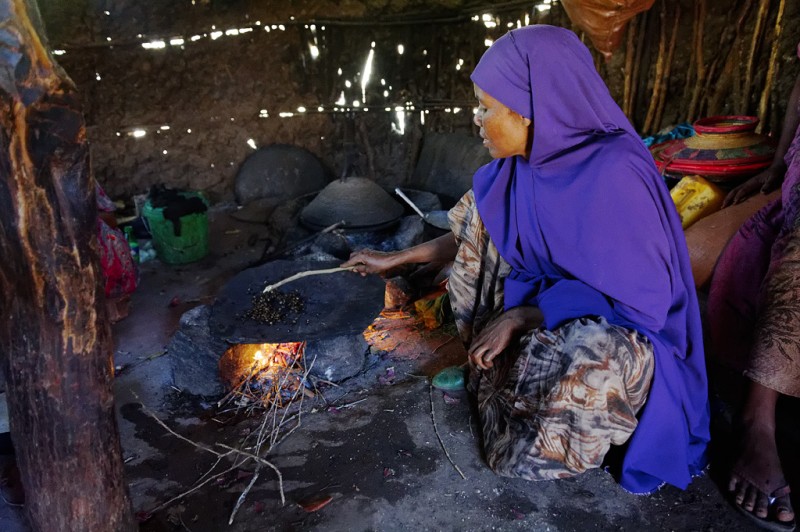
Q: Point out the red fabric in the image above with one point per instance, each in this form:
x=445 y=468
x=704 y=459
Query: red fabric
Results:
x=120 y=271
x=736 y=285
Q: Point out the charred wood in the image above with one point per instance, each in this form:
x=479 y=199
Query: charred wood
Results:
x=53 y=329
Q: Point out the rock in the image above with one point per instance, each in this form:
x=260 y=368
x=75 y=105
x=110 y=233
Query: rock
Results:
x=398 y=293
x=333 y=245
x=336 y=359
x=194 y=354
x=409 y=233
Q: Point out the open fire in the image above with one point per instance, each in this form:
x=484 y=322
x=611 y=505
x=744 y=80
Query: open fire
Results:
x=263 y=366
x=267 y=375
x=263 y=375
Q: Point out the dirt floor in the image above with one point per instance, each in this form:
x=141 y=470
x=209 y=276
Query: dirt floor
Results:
x=366 y=454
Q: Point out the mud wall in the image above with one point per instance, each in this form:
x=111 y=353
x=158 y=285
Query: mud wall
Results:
x=182 y=92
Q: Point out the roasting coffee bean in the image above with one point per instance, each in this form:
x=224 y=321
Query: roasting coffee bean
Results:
x=275 y=306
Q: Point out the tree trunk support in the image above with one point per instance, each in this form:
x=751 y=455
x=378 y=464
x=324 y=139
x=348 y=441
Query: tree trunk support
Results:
x=55 y=340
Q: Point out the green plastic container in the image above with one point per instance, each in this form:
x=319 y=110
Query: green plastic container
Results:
x=192 y=243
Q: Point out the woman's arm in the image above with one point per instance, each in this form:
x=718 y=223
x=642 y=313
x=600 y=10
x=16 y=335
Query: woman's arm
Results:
x=442 y=249
x=499 y=334
x=771 y=178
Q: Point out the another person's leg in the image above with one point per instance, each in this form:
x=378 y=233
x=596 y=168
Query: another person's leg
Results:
x=758 y=474
x=774 y=369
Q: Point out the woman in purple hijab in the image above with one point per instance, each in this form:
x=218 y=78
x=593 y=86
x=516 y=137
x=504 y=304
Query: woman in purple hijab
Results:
x=571 y=285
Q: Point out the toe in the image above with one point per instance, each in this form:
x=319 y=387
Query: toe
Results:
x=740 y=491
x=749 y=501
x=761 y=508
x=733 y=483
x=783 y=509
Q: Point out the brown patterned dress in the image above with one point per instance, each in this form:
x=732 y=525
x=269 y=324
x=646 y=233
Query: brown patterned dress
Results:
x=552 y=405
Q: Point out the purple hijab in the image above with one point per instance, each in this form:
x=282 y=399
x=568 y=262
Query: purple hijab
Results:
x=589 y=229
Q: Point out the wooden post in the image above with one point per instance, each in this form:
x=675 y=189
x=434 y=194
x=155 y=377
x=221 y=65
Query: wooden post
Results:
x=54 y=337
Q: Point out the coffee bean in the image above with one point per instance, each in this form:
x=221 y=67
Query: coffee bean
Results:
x=275 y=306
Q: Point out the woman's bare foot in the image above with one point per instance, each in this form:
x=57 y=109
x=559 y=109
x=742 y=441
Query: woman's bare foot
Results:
x=758 y=475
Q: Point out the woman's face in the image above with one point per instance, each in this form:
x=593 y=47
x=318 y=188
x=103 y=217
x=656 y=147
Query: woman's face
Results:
x=505 y=133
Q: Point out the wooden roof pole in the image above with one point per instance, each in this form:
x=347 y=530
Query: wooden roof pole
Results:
x=55 y=340
x=772 y=70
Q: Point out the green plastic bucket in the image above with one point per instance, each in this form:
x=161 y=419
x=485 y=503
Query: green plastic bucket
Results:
x=192 y=242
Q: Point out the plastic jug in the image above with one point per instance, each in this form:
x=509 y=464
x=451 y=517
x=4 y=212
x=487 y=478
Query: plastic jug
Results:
x=696 y=198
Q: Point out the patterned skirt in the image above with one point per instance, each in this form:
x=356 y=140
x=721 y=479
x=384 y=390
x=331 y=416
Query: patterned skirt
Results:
x=552 y=405
x=775 y=356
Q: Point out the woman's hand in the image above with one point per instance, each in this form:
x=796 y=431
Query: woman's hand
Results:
x=371 y=261
x=766 y=181
x=500 y=332
x=441 y=249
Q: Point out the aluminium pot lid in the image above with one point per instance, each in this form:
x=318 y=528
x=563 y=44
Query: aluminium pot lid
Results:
x=359 y=202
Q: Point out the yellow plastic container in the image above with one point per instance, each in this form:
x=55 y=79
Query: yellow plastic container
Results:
x=696 y=198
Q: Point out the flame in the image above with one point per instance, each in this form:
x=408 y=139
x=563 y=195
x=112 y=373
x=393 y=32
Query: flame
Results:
x=263 y=373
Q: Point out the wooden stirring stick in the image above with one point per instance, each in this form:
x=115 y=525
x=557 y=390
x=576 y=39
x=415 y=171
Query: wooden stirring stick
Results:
x=299 y=275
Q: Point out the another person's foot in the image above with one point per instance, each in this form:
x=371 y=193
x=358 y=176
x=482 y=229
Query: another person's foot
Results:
x=757 y=482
